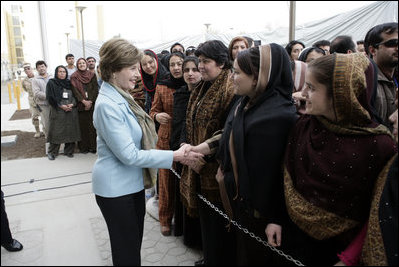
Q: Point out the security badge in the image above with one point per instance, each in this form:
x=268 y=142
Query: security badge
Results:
x=65 y=95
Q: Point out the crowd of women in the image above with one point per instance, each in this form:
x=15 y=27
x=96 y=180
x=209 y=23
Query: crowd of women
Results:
x=315 y=178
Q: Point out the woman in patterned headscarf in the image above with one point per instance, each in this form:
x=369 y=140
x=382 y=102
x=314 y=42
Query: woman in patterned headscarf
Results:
x=333 y=158
x=85 y=88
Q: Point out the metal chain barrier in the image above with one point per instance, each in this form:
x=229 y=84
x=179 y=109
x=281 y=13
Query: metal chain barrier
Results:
x=245 y=230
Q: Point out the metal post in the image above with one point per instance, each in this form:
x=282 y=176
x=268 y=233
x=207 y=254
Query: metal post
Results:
x=43 y=31
x=83 y=35
x=207 y=30
x=80 y=9
x=67 y=36
x=292 y=21
x=9 y=92
x=18 y=95
x=14 y=86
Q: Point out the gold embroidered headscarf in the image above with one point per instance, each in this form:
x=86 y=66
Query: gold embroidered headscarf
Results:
x=349 y=84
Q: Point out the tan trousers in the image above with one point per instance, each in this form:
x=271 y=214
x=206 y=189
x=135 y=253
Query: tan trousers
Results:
x=34 y=114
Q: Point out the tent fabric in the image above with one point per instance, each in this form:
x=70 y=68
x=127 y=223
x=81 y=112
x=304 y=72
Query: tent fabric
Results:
x=354 y=23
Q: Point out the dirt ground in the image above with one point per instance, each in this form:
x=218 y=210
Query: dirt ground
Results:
x=26 y=146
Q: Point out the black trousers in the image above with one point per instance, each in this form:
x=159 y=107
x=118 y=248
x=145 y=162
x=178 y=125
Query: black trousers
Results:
x=69 y=148
x=125 y=221
x=6 y=236
x=219 y=245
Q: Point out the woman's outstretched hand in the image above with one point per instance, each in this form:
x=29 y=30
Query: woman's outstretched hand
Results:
x=187 y=158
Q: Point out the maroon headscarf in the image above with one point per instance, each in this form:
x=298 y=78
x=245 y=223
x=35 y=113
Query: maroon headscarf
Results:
x=331 y=167
x=81 y=77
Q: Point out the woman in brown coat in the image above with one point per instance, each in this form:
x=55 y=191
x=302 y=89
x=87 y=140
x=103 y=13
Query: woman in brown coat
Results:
x=207 y=110
x=85 y=89
x=162 y=111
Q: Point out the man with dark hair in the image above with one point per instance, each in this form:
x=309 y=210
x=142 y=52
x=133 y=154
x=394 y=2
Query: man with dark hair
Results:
x=91 y=64
x=381 y=44
x=39 y=84
x=71 y=68
x=360 y=47
x=343 y=44
x=323 y=45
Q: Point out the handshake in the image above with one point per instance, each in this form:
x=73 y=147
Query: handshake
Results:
x=192 y=156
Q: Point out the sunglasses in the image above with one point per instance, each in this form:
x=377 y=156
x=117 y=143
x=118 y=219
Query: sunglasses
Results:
x=389 y=43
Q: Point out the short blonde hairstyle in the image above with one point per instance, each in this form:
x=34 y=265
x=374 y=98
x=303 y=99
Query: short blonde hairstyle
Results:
x=116 y=54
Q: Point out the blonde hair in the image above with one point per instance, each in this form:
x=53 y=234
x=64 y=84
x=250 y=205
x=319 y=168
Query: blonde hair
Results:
x=116 y=54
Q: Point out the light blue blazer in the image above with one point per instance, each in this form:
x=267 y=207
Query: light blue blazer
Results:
x=118 y=169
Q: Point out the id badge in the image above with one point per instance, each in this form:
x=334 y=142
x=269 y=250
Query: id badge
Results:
x=65 y=95
x=87 y=96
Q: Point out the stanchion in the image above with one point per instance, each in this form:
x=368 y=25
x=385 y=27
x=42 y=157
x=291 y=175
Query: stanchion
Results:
x=14 y=87
x=9 y=92
x=19 y=95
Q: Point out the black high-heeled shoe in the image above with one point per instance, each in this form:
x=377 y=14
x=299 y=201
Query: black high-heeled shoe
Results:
x=13 y=246
x=200 y=262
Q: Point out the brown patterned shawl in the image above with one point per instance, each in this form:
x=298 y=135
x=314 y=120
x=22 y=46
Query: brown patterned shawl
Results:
x=80 y=77
x=374 y=251
x=331 y=167
x=206 y=114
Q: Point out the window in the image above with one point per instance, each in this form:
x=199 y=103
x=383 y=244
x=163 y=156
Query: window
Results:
x=14 y=9
x=18 y=41
x=19 y=52
x=17 y=31
x=15 y=21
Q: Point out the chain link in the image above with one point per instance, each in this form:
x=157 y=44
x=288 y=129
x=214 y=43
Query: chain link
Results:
x=245 y=230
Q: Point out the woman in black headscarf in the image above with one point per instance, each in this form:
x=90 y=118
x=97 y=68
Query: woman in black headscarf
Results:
x=252 y=148
x=152 y=71
x=162 y=112
x=64 y=122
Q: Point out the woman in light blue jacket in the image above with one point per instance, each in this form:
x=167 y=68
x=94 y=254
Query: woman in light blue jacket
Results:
x=126 y=159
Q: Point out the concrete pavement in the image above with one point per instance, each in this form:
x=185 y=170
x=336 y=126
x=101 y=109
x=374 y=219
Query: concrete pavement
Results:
x=53 y=212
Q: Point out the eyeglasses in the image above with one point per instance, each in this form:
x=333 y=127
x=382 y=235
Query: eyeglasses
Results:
x=388 y=43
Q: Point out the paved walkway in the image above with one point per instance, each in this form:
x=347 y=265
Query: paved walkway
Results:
x=53 y=213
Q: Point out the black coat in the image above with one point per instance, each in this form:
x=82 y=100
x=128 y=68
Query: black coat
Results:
x=260 y=136
x=180 y=101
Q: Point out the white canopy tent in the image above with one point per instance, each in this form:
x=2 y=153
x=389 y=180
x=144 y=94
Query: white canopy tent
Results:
x=354 y=23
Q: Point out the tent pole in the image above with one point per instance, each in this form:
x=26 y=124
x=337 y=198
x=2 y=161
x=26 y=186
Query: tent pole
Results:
x=292 y=21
